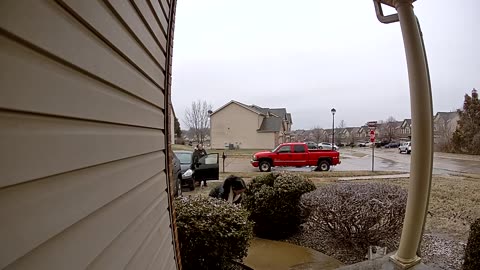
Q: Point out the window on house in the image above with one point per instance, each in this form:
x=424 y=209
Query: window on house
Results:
x=298 y=149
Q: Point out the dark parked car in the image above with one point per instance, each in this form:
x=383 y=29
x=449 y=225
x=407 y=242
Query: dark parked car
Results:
x=312 y=145
x=206 y=168
x=392 y=145
x=185 y=161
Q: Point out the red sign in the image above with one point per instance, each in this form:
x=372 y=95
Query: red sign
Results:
x=372 y=135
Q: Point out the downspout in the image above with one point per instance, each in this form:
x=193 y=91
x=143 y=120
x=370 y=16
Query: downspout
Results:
x=422 y=133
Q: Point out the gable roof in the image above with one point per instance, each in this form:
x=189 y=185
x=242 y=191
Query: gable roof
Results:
x=363 y=129
x=273 y=120
x=259 y=109
x=271 y=124
x=446 y=116
x=280 y=112
x=352 y=129
x=406 y=122
x=250 y=108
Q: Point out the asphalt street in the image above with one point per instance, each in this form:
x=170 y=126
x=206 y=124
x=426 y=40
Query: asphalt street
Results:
x=360 y=159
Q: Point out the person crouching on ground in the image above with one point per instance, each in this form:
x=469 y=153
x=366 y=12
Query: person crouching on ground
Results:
x=231 y=190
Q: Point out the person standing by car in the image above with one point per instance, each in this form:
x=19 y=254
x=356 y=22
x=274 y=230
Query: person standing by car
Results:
x=198 y=153
x=231 y=190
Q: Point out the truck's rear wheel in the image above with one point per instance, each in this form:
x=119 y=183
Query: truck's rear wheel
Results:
x=265 y=166
x=323 y=166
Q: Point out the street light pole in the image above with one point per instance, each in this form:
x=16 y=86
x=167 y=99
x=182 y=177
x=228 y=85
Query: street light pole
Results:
x=333 y=111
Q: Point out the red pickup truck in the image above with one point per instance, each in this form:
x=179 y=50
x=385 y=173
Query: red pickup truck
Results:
x=295 y=155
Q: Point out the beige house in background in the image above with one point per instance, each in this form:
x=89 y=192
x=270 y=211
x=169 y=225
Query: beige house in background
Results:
x=249 y=126
x=405 y=130
x=444 y=124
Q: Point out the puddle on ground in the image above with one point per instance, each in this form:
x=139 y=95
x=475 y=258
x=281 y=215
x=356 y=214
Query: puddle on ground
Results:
x=274 y=255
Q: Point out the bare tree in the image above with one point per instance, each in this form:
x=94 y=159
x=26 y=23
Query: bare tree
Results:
x=317 y=133
x=339 y=135
x=197 y=118
x=443 y=136
x=390 y=129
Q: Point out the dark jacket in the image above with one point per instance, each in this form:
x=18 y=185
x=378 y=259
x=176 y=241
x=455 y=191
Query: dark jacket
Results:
x=219 y=193
x=196 y=156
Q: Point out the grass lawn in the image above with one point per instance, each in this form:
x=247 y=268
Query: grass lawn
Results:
x=182 y=147
x=454 y=204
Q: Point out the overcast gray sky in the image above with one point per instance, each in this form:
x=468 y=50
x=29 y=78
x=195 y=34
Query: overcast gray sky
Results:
x=311 y=55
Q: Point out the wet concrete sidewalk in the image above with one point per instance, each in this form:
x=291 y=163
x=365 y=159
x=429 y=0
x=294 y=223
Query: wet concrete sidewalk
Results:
x=274 y=255
x=392 y=176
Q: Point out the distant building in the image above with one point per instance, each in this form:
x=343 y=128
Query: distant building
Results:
x=444 y=124
x=249 y=126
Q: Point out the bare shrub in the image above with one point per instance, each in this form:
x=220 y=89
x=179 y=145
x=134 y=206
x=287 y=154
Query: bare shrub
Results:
x=357 y=214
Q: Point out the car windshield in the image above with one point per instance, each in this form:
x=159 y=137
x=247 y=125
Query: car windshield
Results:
x=185 y=158
x=275 y=149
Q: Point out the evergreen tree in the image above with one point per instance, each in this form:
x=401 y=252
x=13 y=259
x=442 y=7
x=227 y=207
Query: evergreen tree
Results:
x=177 y=129
x=466 y=139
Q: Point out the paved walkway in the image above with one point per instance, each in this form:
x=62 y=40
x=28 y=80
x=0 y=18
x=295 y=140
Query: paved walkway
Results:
x=392 y=176
x=268 y=255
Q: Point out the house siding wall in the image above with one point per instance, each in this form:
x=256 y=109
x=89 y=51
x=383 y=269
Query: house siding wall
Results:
x=235 y=124
x=84 y=162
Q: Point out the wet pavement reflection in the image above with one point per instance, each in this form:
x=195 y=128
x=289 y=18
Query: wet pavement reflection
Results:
x=267 y=254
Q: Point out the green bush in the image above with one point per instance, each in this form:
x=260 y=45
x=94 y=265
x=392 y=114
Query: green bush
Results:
x=273 y=202
x=472 y=252
x=211 y=232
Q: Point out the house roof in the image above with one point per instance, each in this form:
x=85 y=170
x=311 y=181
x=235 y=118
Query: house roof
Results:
x=407 y=122
x=446 y=116
x=352 y=129
x=271 y=124
x=398 y=124
x=259 y=109
x=328 y=131
x=250 y=108
x=362 y=129
x=280 y=112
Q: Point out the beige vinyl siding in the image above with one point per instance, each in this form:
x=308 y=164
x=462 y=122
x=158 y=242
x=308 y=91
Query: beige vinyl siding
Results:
x=235 y=124
x=84 y=181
